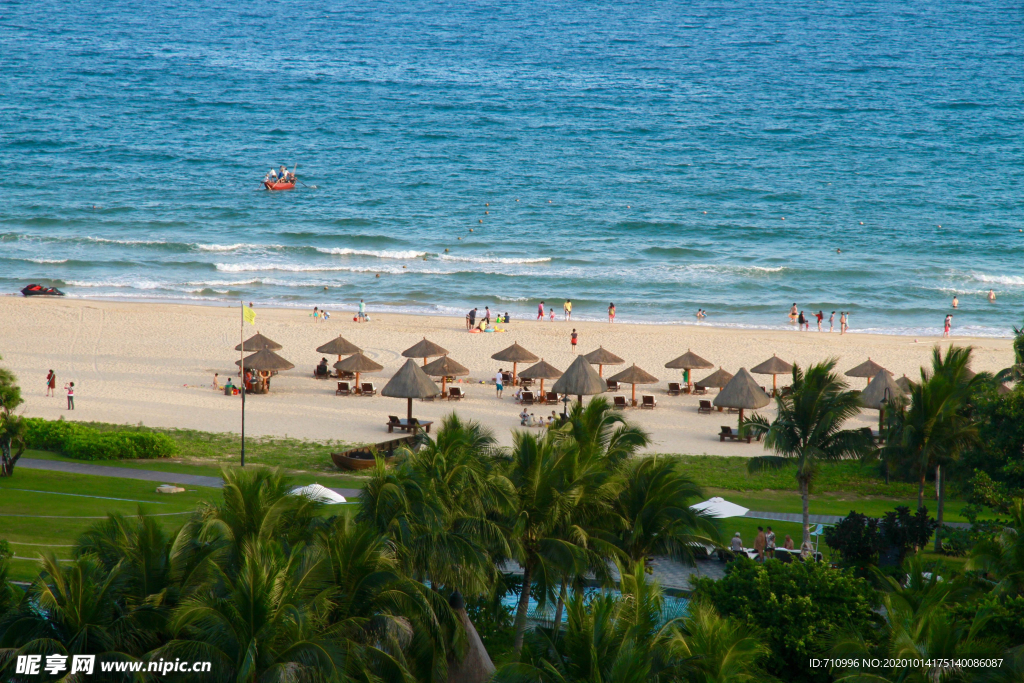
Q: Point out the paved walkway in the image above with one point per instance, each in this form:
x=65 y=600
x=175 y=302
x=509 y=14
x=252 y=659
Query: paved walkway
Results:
x=142 y=475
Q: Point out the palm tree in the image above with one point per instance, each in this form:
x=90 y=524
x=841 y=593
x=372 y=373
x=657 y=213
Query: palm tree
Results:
x=808 y=428
x=654 y=504
x=1016 y=371
x=936 y=427
x=12 y=427
x=718 y=649
x=1003 y=556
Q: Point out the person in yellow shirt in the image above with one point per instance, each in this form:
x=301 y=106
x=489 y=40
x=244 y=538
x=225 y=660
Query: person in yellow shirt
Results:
x=567 y=308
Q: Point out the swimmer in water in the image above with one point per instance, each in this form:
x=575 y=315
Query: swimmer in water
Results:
x=792 y=313
x=956 y=302
x=991 y=295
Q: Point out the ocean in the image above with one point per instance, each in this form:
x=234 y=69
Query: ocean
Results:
x=738 y=157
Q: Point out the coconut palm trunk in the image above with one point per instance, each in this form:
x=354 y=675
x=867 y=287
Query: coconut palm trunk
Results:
x=559 y=606
x=920 y=492
x=805 y=500
x=522 y=609
x=941 y=477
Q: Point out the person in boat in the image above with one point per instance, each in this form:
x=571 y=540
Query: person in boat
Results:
x=285 y=176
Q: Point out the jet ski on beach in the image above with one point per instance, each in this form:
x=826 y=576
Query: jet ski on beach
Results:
x=39 y=290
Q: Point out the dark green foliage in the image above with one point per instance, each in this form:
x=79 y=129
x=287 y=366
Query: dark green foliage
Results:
x=855 y=538
x=12 y=425
x=83 y=442
x=797 y=607
x=1003 y=615
x=902 y=531
x=1000 y=453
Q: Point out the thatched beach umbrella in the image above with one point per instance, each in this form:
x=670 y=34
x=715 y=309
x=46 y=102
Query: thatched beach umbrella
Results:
x=258 y=342
x=580 y=380
x=867 y=369
x=880 y=391
x=719 y=378
x=425 y=349
x=265 y=362
x=476 y=665
x=410 y=382
x=774 y=366
x=687 y=362
x=633 y=376
x=515 y=354
x=339 y=346
x=742 y=392
x=905 y=383
x=602 y=357
x=444 y=367
x=357 y=363
x=542 y=371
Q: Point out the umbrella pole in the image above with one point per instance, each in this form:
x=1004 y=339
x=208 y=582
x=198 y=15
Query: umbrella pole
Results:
x=444 y=380
x=424 y=362
x=775 y=386
x=740 y=425
x=600 y=370
x=410 y=411
x=359 y=388
x=542 y=387
x=634 y=396
x=513 y=373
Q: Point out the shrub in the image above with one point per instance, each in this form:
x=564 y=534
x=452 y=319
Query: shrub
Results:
x=855 y=538
x=798 y=607
x=901 y=531
x=87 y=443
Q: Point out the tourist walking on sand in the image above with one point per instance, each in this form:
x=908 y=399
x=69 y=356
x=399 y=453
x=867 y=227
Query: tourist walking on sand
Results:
x=216 y=380
x=362 y=311
x=540 y=311
x=801 y=321
x=70 y=388
x=51 y=383
x=487 y=314
x=947 y=325
x=611 y=312
x=831 y=321
x=498 y=379
x=820 y=316
x=471 y=319
x=760 y=543
x=572 y=339
x=567 y=310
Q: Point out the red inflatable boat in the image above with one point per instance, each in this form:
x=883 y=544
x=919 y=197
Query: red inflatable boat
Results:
x=278 y=186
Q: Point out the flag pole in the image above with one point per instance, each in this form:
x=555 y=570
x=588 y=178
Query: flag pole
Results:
x=241 y=366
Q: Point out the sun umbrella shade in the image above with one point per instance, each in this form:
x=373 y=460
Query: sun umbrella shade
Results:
x=868 y=368
x=602 y=356
x=515 y=354
x=742 y=391
x=410 y=382
x=580 y=380
x=689 y=361
x=882 y=388
x=542 y=370
x=339 y=346
x=425 y=349
x=358 y=363
x=634 y=375
x=719 y=508
x=719 y=378
x=905 y=383
x=258 y=342
x=445 y=367
x=265 y=361
x=772 y=366
x=319 y=493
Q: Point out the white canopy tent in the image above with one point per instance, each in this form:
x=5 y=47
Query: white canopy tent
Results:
x=719 y=508
x=319 y=493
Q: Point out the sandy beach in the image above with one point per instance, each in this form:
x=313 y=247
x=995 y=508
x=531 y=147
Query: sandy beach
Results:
x=154 y=364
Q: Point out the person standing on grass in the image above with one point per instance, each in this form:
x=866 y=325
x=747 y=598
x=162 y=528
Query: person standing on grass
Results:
x=70 y=388
x=498 y=382
x=760 y=543
x=51 y=383
x=770 y=542
x=572 y=339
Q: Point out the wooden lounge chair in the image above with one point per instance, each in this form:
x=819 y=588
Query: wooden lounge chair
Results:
x=704 y=407
x=619 y=402
x=612 y=386
x=699 y=390
x=525 y=382
x=394 y=422
x=674 y=389
x=552 y=397
x=344 y=389
x=506 y=379
x=733 y=411
x=367 y=389
x=455 y=394
x=527 y=398
x=727 y=433
x=321 y=372
x=648 y=401
x=346 y=375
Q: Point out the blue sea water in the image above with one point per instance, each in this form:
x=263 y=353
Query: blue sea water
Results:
x=663 y=156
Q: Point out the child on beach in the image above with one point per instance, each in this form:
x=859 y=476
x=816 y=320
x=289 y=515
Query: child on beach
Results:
x=611 y=312
x=70 y=388
x=524 y=418
x=572 y=339
x=216 y=377
x=552 y=316
x=947 y=325
x=51 y=383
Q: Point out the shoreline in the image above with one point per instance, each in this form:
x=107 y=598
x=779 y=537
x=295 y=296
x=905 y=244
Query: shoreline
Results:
x=154 y=363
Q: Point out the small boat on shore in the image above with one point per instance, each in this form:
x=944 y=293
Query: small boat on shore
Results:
x=39 y=290
x=271 y=185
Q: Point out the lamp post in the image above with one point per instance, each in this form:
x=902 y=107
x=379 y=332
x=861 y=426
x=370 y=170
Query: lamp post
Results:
x=565 y=406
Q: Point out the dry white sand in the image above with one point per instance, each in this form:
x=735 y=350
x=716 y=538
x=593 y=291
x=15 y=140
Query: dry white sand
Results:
x=154 y=364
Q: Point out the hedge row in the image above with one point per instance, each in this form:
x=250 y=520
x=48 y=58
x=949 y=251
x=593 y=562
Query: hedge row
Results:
x=87 y=443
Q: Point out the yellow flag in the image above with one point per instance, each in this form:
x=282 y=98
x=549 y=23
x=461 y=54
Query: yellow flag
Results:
x=249 y=315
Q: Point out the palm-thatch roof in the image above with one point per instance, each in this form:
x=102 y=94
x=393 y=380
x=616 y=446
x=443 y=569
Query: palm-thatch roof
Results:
x=689 y=361
x=772 y=366
x=719 y=378
x=339 y=346
x=868 y=368
x=424 y=349
x=742 y=391
x=445 y=366
x=542 y=370
x=410 y=382
x=265 y=360
x=515 y=354
x=580 y=380
x=634 y=375
x=1003 y=389
x=905 y=383
x=476 y=665
x=258 y=342
x=882 y=388
x=358 y=363
x=602 y=356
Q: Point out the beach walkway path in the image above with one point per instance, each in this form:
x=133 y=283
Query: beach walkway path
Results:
x=142 y=475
